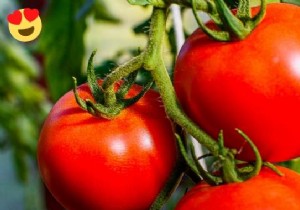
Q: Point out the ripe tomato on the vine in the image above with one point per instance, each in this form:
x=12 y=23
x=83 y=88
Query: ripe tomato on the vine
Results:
x=252 y=85
x=268 y=190
x=88 y=162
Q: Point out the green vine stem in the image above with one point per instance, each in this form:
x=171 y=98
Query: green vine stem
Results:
x=155 y=64
x=120 y=72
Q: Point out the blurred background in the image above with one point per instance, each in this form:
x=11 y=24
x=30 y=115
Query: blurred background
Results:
x=35 y=74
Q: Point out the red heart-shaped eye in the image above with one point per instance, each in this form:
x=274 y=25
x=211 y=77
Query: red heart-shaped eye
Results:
x=15 y=17
x=31 y=14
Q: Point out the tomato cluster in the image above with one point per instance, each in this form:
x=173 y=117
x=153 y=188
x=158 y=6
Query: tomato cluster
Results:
x=89 y=162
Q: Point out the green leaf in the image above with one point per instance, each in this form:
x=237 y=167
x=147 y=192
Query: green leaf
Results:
x=61 y=42
x=22 y=104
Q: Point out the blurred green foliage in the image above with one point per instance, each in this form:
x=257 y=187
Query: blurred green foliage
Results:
x=24 y=102
x=61 y=43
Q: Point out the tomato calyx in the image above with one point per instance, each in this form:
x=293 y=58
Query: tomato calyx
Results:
x=231 y=172
x=107 y=104
x=229 y=169
x=233 y=24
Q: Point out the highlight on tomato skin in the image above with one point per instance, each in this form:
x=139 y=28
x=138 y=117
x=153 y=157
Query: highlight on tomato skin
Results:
x=252 y=85
x=88 y=162
x=268 y=190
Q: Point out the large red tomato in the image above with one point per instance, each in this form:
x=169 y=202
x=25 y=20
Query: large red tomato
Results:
x=268 y=190
x=93 y=163
x=253 y=85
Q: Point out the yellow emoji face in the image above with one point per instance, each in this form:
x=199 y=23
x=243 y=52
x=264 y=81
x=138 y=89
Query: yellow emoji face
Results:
x=24 y=24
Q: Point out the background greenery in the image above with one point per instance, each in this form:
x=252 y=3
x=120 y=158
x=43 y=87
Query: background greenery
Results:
x=34 y=75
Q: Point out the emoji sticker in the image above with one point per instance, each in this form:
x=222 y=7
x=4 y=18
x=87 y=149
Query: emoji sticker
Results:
x=24 y=24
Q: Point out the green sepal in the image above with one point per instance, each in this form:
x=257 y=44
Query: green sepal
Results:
x=92 y=80
x=100 y=110
x=215 y=34
x=130 y=101
x=125 y=87
x=78 y=99
x=231 y=26
x=208 y=177
x=190 y=163
x=108 y=102
x=228 y=163
x=259 y=16
x=258 y=161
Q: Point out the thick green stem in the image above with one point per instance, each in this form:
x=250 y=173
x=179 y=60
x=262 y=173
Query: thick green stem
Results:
x=119 y=73
x=122 y=71
x=174 y=111
x=154 y=63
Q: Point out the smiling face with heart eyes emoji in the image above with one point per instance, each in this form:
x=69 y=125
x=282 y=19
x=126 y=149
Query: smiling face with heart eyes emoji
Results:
x=25 y=24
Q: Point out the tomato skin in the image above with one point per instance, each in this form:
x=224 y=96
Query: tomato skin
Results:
x=268 y=190
x=94 y=163
x=253 y=85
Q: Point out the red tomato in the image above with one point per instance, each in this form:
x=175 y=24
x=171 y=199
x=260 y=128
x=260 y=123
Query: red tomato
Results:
x=94 y=163
x=253 y=85
x=268 y=190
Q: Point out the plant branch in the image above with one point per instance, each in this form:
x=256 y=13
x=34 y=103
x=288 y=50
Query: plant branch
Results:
x=152 y=60
x=154 y=63
x=120 y=72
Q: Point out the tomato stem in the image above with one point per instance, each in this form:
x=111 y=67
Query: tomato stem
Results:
x=122 y=71
x=109 y=102
x=154 y=63
x=215 y=34
x=231 y=26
